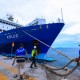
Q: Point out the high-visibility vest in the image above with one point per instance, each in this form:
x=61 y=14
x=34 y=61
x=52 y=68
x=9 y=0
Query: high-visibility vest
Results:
x=33 y=53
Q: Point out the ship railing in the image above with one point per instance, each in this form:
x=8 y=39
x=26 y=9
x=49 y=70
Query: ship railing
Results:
x=60 y=20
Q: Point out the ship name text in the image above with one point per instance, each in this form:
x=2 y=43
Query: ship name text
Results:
x=12 y=36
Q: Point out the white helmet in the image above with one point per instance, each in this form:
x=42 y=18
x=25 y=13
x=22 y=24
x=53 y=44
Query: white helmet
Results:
x=34 y=46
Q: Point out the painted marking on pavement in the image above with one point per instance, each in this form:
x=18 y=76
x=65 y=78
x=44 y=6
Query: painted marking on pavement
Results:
x=3 y=77
x=9 y=68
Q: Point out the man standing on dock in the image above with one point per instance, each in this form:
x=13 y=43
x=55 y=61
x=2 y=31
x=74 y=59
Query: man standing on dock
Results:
x=20 y=59
x=33 y=55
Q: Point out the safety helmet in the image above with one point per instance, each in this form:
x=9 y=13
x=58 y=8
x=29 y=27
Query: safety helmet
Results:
x=34 y=46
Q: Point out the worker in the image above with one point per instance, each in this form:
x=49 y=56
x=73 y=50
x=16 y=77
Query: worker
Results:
x=33 y=55
x=20 y=59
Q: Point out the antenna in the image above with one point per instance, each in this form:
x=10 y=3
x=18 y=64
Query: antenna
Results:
x=10 y=17
x=62 y=15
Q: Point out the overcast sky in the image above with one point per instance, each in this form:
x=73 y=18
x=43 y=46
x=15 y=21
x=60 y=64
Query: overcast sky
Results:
x=27 y=10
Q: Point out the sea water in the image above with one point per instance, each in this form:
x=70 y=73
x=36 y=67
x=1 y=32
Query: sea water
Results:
x=60 y=60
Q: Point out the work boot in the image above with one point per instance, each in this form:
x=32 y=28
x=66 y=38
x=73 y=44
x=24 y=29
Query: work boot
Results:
x=21 y=78
x=31 y=67
x=15 y=76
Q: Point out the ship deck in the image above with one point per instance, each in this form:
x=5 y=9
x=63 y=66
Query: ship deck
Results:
x=7 y=72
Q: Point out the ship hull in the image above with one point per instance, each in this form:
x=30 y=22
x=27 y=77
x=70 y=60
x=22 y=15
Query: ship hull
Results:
x=44 y=34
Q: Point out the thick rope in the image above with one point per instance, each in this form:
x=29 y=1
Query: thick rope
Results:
x=47 y=45
x=61 y=74
x=61 y=67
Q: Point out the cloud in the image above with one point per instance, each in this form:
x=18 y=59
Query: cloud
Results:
x=27 y=10
x=75 y=29
x=66 y=40
x=49 y=9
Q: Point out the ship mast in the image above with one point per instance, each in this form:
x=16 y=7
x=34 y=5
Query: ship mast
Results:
x=62 y=15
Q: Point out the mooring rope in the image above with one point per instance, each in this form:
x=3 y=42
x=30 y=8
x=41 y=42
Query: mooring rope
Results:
x=60 y=74
x=60 y=67
x=55 y=70
x=47 y=45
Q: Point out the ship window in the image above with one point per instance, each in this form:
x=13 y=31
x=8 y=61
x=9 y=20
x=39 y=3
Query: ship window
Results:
x=40 y=27
x=47 y=26
x=3 y=22
x=6 y=23
x=14 y=25
x=0 y=30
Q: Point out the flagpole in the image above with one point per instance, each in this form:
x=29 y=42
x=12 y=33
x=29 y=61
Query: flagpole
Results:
x=62 y=15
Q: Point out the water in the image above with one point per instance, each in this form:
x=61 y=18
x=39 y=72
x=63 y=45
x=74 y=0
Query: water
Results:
x=61 y=60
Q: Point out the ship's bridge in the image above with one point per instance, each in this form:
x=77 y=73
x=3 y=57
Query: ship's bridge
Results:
x=37 y=21
x=7 y=25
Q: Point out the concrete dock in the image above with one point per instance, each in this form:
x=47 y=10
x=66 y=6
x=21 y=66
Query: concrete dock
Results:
x=7 y=72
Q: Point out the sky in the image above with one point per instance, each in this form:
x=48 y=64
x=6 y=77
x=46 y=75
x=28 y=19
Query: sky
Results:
x=25 y=11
